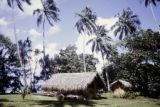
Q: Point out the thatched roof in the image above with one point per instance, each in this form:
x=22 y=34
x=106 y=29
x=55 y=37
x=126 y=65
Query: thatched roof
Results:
x=123 y=82
x=70 y=81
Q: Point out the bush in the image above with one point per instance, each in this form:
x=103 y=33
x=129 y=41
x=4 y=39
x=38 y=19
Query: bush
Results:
x=130 y=95
x=119 y=93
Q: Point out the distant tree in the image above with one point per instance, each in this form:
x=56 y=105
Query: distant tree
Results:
x=68 y=61
x=49 y=13
x=150 y=3
x=86 y=25
x=9 y=66
x=127 y=23
x=46 y=63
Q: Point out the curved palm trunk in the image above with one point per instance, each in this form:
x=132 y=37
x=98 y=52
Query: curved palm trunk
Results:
x=84 y=44
x=19 y=56
x=108 y=85
x=154 y=17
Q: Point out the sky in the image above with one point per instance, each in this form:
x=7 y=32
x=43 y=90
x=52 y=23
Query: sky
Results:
x=63 y=32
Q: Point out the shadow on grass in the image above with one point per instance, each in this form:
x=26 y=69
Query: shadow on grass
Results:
x=158 y=103
x=1 y=105
x=4 y=100
x=100 y=98
x=72 y=103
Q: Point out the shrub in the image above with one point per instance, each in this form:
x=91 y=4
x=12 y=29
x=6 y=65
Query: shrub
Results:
x=119 y=93
x=130 y=95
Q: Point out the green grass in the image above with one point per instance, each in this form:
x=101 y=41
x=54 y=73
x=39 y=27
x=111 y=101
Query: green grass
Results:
x=105 y=101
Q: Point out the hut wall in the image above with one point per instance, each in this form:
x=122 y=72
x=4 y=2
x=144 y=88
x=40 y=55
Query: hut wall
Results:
x=118 y=85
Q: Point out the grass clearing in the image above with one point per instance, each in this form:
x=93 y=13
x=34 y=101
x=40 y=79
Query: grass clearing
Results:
x=105 y=101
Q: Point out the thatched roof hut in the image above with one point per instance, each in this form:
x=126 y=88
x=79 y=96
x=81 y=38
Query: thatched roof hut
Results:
x=74 y=83
x=121 y=84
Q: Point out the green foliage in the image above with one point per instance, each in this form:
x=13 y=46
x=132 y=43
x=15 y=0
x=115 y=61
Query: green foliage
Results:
x=9 y=64
x=86 y=22
x=131 y=95
x=127 y=23
x=49 y=12
x=68 y=61
x=140 y=64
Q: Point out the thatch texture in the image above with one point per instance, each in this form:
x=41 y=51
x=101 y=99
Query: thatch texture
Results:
x=120 y=84
x=73 y=83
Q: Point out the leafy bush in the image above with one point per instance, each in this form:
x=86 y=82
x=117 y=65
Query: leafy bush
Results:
x=130 y=95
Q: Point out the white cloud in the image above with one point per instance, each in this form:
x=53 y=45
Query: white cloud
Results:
x=34 y=33
x=51 y=48
x=107 y=22
x=53 y=29
x=3 y=22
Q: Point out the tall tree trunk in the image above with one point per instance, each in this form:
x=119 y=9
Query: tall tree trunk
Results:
x=44 y=53
x=18 y=51
x=108 y=85
x=33 y=83
x=154 y=17
x=84 y=57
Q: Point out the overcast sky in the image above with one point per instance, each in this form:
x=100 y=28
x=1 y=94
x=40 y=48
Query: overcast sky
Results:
x=63 y=32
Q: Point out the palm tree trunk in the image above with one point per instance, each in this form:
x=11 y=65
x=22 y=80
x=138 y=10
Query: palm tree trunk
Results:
x=108 y=85
x=44 y=52
x=18 y=50
x=84 y=45
x=30 y=74
x=154 y=17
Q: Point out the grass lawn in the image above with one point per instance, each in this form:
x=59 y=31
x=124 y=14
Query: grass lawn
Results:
x=106 y=101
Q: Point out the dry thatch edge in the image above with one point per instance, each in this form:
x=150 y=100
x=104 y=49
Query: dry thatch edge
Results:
x=125 y=83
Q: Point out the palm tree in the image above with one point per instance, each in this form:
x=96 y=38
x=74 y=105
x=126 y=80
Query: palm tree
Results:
x=86 y=25
x=150 y=3
x=100 y=44
x=12 y=3
x=49 y=12
x=127 y=23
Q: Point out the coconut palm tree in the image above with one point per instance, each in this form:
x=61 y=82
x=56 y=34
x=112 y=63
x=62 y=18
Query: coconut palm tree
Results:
x=101 y=44
x=86 y=25
x=127 y=23
x=150 y=3
x=49 y=13
x=12 y=3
